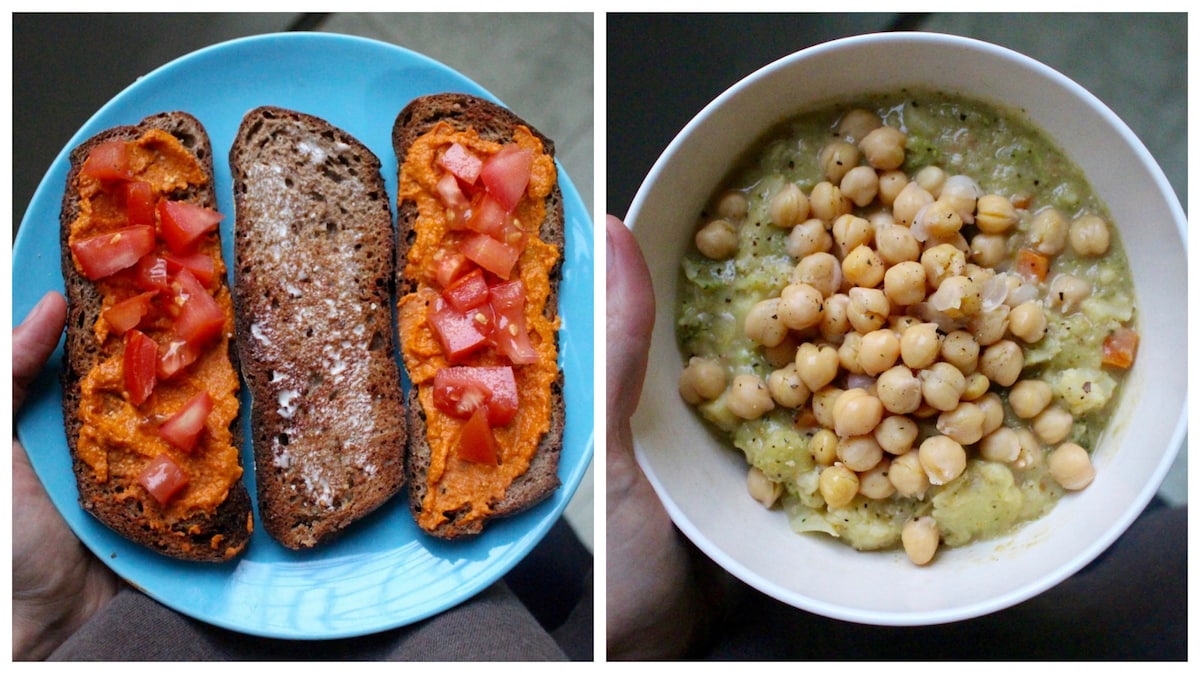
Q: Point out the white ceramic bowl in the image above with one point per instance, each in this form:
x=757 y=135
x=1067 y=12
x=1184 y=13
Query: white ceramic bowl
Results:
x=703 y=483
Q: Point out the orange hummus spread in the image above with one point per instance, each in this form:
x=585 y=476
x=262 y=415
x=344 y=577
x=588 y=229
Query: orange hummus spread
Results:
x=118 y=438
x=455 y=483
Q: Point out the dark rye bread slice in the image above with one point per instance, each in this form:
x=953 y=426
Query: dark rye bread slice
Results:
x=213 y=538
x=314 y=272
x=494 y=123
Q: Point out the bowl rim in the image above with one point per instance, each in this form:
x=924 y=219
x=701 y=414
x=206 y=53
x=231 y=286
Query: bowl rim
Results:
x=1022 y=591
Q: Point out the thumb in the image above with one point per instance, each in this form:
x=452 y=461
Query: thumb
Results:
x=630 y=319
x=34 y=340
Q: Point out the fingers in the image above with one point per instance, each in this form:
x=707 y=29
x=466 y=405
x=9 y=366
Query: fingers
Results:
x=34 y=340
x=630 y=319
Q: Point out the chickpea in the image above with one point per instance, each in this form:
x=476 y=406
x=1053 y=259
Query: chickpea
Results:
x=1000 y=445
x=848 y=353
x=835 y=322
x=788 y=207
x=902 y=323
x=782 y=353
x=868 y=310
x=718 y=240
x=874 y=483
x=907 y=476
x=856 y=412
x=920 y=345
x=748 y=397
x=799 y=307
x=896 y=434
x=733 y=205
x=1031 y=455
x=920 y=538
x=942 y=385
x=1053 y=424
x=863 y=268
x=989 y=250
x=838 y=485
x=1089 y=236
x=995 y=214
x=787 y=388
x=1068 y=292
x=837 y=158
x=826 y=202
x=879 y=218
x=883 y=147
x=909 y=202
x=816 y=365
x=857 y=123
x=939 y=220
x=896 y=244
x=891 y=184
x=860 y=185
x=1071 y=466
x=878 y=351
x=821 y=271
x=807 y=238
x=702 y=379
x=942 y=458
x=1048 y=231
x=899 y=390
x=762 y=488
x=1027 y=321
x=1029 y=397
x=989 y=326
x=823 y=447
x=963 y=424
x=904 y=283
x=860 y=453
x=941 y=262
x=957 y=297
x=993 y=411
x=962 y=193
x=960 y=349
x=850 y=232
x=1002 y=362
x=931 y=179
x=763 y=323
x=977 y=385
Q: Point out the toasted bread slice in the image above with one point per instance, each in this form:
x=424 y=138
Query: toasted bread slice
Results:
x=497 y=124
x=119 y=502
x=314 y=271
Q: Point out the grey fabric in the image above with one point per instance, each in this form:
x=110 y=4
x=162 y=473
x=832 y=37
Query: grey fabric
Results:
x=493 y=625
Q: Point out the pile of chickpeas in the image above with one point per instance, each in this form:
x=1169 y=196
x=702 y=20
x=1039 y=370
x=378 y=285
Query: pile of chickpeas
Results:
x=896 y=327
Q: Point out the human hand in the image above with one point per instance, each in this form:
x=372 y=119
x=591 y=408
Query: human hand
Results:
x=57 y=583
x=654 y=602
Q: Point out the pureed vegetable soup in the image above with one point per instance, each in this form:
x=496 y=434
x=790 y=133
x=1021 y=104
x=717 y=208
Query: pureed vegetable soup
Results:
x=913 y=316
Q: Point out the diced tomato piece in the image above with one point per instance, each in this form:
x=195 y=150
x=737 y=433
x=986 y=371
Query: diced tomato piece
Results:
x=183 y=224
x=108 y=161
x=460 y=333
x=488 y=217
x=200 y=318
x=494 y=256
x=460 y=391
x=176 y=356
x=1120 y=348
x=511 y=335
x=462 y=163
x=184 y=427
x=152 y=273
x=1032 y=265
x=451 y=265
x=139 y=365
x=468 y=291
x=506 y=174
x=128 y=313
x=201 y=265
x=454 y=200
x=102 y=255
x=163 y=478
x=139 y=200
x=477 y=443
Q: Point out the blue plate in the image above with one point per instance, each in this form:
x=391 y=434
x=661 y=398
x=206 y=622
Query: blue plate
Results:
x=383 y=572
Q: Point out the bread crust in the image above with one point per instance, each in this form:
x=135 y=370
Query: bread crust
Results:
x=494 y=123
x=313 y=267
x=222 y=534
